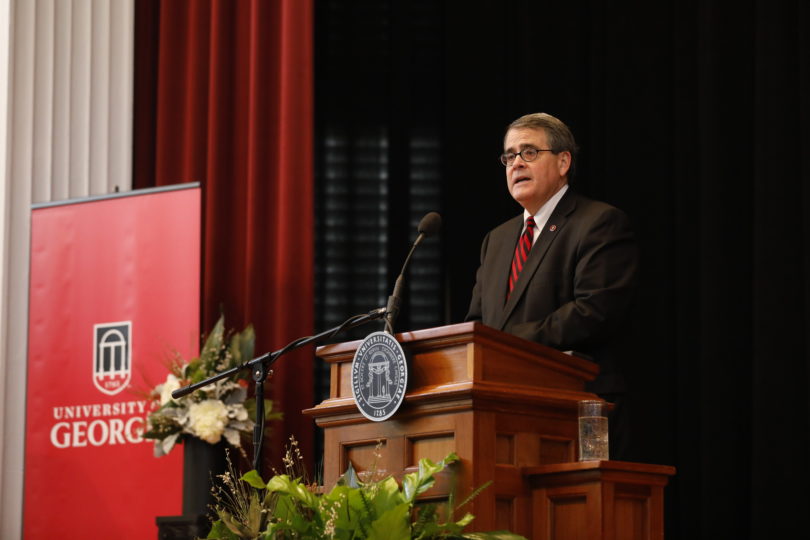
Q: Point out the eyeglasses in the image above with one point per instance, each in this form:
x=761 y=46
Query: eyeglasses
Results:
x=527 y=154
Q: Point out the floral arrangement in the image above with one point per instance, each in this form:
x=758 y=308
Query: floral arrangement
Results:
x=288 y=507
x=219 y=410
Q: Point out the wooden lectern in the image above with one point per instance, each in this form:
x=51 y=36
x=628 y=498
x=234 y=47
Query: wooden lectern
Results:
x=505 y=405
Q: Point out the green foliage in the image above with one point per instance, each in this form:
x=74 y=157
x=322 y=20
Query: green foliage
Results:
x=353 y=509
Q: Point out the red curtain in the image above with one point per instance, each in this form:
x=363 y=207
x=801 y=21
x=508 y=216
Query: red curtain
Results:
x=224 y=97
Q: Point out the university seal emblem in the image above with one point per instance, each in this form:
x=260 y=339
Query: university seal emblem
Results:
x=379 y=376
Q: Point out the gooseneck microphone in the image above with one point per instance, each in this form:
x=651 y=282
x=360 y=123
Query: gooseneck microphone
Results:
x=430 y=225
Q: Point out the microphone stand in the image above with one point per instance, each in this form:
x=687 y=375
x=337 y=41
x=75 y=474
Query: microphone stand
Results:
x=260 y=366
x=429 y=224
x=392 y=309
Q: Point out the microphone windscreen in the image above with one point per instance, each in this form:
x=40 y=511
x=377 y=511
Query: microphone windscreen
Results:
x=430 y=224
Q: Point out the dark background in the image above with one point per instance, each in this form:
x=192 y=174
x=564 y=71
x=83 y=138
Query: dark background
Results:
x=693 y=117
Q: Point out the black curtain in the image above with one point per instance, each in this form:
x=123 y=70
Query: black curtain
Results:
x=694 y=118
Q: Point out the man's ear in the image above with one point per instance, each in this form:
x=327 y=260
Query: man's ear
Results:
x=564 y=162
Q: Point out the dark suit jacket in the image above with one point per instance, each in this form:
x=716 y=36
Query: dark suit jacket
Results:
x=576 y=288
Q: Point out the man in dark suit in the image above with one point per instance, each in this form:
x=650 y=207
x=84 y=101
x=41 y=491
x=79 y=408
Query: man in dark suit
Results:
x=563 y=273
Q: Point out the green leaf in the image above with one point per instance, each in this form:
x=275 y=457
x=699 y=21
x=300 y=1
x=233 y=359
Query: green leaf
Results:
x=349 y=478
x=282 y=483
x=357 y=509
x=213 y=343
x=339 y=500
x=466 y=520
x=477 y=491
x=414 y=484
x=209 y=354
x=428 y=468
x=284 y=508
x=426 y=524
x=269 y=414
x=250 y=406
x=242 y=345
x=392 y=525
x=386 y=496
x=254 y=515
x=219 y=530
x=304 y=524
x=195 y=372
x=233 y=524
x=254 y=479
x=303 y=494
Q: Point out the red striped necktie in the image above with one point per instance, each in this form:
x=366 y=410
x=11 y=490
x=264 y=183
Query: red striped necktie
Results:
x=522 y=250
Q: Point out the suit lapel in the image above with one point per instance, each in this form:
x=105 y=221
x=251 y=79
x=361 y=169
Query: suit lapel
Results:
x=503 y=264
x=553 y=227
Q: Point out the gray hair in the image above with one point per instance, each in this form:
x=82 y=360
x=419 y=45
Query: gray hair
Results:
x=558 y=136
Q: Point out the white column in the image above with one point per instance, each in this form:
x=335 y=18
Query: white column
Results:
x=66 y=79
x=18 y=109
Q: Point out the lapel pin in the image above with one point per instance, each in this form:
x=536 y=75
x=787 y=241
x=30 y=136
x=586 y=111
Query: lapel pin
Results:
x=552 y=228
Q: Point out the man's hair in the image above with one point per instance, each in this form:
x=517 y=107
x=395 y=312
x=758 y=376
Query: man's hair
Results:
x=558 y=136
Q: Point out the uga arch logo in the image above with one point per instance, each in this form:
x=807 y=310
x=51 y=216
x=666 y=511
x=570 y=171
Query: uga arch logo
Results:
x=379 y=376
x=112 y=356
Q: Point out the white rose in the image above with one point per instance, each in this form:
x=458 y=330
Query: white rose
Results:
x=208 y=419
x=166 y=389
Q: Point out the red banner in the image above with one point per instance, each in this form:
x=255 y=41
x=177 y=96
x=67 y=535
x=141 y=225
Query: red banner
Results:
x=114 y=289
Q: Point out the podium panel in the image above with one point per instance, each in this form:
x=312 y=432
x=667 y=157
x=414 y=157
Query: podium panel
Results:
x=598 y=500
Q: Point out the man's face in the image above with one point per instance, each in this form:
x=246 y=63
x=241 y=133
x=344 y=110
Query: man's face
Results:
x=533 y=183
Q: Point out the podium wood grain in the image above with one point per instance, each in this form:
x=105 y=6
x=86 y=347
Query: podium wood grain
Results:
x=499 y=402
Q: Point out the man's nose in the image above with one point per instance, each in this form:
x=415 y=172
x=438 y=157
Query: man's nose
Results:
x=519 y=161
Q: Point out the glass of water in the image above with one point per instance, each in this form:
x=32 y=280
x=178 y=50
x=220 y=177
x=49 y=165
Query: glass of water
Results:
x=593 y=430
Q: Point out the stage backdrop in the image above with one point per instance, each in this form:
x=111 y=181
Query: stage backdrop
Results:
x=114 y=288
